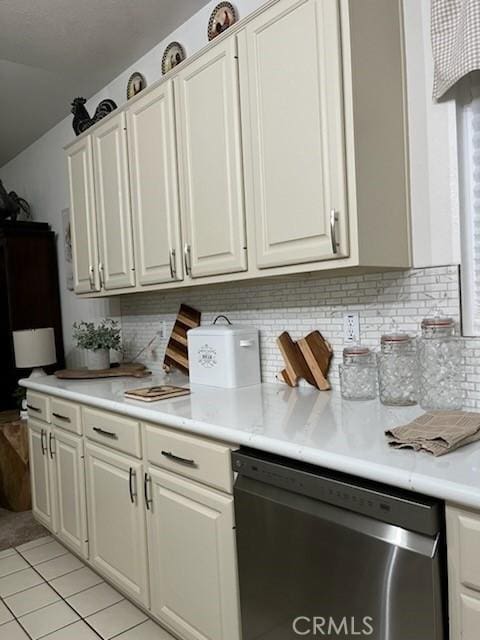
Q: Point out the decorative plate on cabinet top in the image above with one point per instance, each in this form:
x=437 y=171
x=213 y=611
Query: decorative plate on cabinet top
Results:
x=222 y=17
x=135 y=84
x=173 y=55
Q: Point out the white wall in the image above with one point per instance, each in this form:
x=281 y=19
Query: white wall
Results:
x=433 y=149
x=39 y=173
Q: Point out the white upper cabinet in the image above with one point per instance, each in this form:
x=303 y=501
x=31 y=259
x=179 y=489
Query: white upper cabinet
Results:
x=154 y=187
x=83 y=220
x=112 y=195
x=207 y=100
x=285 y=138
x=291 y=80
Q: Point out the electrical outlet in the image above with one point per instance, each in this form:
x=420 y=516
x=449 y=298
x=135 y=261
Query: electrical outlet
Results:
x=351 y=328
x=162 y=332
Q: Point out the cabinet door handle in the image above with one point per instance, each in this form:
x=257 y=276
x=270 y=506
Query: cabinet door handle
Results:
x=333 y=230
x=179 y=459
x=173 y=268
x=91 y=276
x=131 y=475
x=60 y=417
x=186 y=257
x=146 y=481
x=30 y=407
x=100 y=275
x=107 y=434
x=43 y=434
x=51 y=438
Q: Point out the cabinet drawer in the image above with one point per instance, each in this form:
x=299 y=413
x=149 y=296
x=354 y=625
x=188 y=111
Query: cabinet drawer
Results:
x=66 y=415
x=113 y=431
x=191 y=456
x=38 y=406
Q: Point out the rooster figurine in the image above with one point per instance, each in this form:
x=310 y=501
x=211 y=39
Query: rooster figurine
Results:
x=81 y=117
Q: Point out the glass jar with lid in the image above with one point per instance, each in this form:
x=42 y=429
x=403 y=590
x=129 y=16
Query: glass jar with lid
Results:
x=358 y=374
x=397 y=370
x=440 y=356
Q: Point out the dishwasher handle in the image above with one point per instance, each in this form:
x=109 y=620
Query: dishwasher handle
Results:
x=391 y=534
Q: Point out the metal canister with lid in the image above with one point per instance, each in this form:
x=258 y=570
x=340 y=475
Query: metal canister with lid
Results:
x=440 y=354
x=397 y=370
x=358 y=374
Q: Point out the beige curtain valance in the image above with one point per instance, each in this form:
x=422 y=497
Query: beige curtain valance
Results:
x=455 y=42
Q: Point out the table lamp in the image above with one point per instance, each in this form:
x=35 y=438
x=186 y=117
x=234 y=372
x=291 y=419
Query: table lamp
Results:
x=34 y=348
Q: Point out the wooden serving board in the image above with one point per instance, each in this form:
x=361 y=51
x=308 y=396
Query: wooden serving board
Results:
x=125 y=369
x=154 y=394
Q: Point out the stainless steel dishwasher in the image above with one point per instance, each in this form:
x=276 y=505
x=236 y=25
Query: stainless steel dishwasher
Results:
x=323 y=554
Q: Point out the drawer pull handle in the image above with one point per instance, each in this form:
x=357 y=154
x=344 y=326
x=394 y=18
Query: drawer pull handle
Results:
x=60 y=417
x=32 y=408
x=107 y=434
x=131 y=475
x=148 y=501
x=180 y=460
x=43 y=434
x=50 y=439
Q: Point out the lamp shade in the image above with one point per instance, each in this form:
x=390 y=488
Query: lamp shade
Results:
x=34 y=348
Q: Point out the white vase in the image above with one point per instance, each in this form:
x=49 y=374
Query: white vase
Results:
x=99 y=359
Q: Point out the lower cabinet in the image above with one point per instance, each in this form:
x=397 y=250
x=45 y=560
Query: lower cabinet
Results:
x=68 y=466
x=463 y=552
x=116 y=518
x=193 y=576
x=42 y=474
x=165 y=540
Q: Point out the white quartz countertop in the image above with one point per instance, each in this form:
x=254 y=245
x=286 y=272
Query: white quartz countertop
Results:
x=302 y=424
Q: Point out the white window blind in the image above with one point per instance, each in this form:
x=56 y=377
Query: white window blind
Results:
x=469 y=176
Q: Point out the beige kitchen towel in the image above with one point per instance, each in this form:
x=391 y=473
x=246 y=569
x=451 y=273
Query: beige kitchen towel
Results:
x=437 y=432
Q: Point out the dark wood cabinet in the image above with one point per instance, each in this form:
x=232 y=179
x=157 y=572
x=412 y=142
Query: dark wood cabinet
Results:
x=29 y=295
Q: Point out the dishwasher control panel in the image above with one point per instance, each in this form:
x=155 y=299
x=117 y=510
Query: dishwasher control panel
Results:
x=396 y=507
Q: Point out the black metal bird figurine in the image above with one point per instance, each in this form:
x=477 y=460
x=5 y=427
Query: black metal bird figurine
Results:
x=81 y=118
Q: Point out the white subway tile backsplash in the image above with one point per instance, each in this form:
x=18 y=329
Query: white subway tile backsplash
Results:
x=386 y=301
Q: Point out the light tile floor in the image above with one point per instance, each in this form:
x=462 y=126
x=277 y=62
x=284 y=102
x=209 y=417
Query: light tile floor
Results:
x=47 y=592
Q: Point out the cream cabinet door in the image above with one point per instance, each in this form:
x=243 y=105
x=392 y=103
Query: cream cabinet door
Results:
x=67 y=452
x=292 y=114
x=116 y=520
x=207 y=97
x=463 y=551
x=42 y=479
x=112 y=195
x=82 y=216
x=469 y=617
x=193 y=576
x=154 y=187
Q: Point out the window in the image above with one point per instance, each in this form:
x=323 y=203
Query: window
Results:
x=469 y=177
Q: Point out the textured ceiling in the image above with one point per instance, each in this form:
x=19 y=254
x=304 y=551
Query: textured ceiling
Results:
x=53 y=50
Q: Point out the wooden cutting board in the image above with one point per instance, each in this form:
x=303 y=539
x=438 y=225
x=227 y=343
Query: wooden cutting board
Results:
x=309 y=358
x=125 y=369
x=176 y=354
x=317 y=353
x=295 y=364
